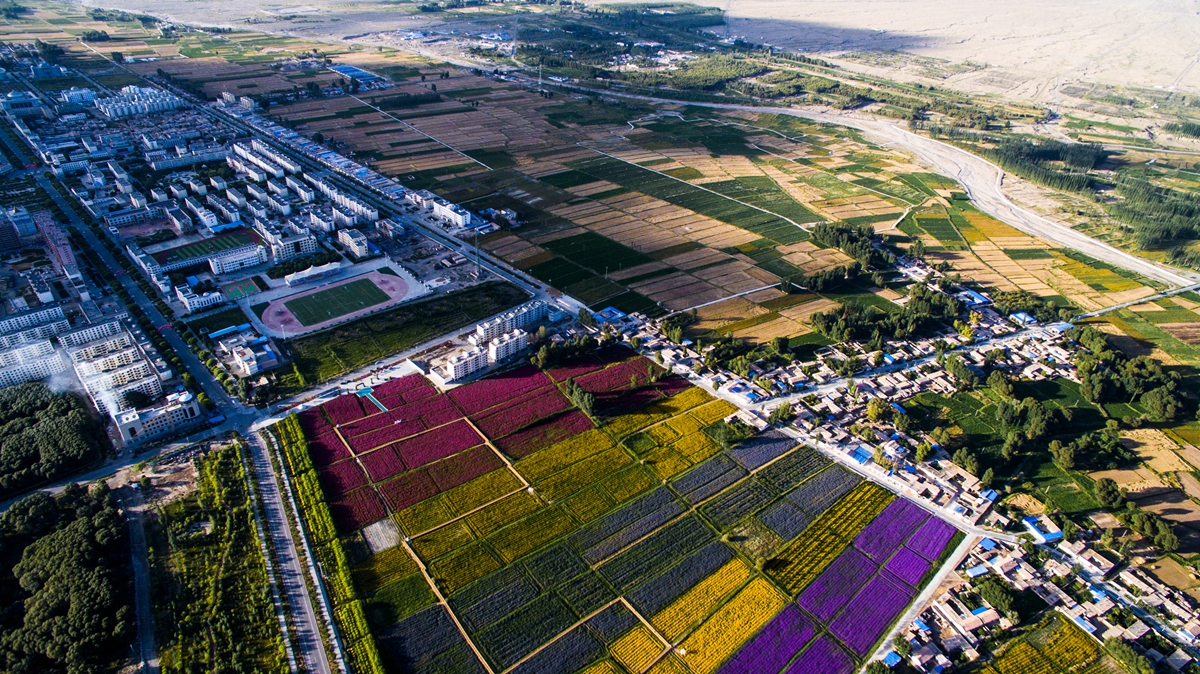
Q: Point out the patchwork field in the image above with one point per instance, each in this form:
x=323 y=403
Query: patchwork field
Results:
x=538 y=541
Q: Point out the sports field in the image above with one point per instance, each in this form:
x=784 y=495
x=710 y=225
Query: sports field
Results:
x=206 y=246
x=336 y=301
x=244 y=288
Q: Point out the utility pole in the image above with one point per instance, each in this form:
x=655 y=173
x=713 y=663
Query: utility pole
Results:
x=728 y=5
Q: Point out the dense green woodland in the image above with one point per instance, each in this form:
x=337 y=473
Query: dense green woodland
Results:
x=65 y=591
x=45 y=436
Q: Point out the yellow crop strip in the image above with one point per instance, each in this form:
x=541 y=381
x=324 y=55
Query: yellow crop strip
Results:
x=636 y=649
x=731 y=626
x=697 y=602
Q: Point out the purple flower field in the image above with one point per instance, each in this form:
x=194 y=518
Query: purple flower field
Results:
x=931 y=539
x=837 y=584
x=823 y=657
x=774 y=645
x=907 y=566
x=865 y=618
x=895 y=524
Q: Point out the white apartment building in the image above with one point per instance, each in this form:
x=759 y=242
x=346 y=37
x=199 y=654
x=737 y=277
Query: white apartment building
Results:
x=111 y=365
x=139 y=425
x=32 y=326
x=466 y=363
x=136 y=100
x=30 y=362
x=453 y=213
x=237 y=258
x=527 y=313
x=286 y=240
x=30 y=319
x=290 y=165
x=248 y=153
x=507 y=345
x=355 y=242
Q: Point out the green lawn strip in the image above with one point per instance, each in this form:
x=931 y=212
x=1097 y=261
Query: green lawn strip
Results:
x=218 y=321
x=1027 y=253
x=337 y=301
x=677 y=249
x=596 y=252
x=331 y=353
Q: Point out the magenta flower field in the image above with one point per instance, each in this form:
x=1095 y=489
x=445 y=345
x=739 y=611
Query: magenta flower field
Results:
x=341 y=477
x=383 y=463
x=356 y=509
x=478 y=396
x=327 y=449
x=544 y=433
x=431 y=446
x=512 y=417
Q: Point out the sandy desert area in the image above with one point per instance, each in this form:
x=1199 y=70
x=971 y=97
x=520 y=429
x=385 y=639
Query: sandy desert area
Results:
x=1024 y=49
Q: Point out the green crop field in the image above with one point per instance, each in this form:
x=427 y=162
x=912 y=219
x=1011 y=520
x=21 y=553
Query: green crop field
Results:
x=336 y=301
x=205 y=247
x=716 y=206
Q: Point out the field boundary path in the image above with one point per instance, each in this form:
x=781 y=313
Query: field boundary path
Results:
x=131 y=500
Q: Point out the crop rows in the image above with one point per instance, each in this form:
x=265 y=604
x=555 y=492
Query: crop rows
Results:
x=897 y=521
x=743 y=499
x=657 y=593
x=762 y=449
x=931 y=538
x=512 y=418
x=824 y=656
x=837 y=585
x=774 y=645
x=822 y=490
x=485 y=393
x=798 y=564
x=544 y=434
x=907 y=566
x=637 y=649
x=730 y=626
x=701 y=599
x=793 y=469
x=865 y=618
x=708 y=479
x=785 y=518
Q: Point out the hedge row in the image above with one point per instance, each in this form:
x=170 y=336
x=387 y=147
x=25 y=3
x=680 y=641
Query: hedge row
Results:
x=348 y=610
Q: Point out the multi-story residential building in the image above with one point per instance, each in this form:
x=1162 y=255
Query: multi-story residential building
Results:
x=466 y=363
x=507 y=345
x=31 y=319
x=290 y=165
x=52 y=323
x=355 y=243
x=135 y=100
x=527 y=313
x=348 y=202
x=21 y=220
x=286 y=240
x=248 y=155
x=60 y=249
x=179 y=410
x=452 y=213
x=30 y=362
x=111 y=364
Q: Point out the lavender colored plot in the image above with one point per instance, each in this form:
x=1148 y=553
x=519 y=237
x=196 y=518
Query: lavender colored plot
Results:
x=886 y=532
x=657 y=593
x=907 y=566
x=837 y=584
x=708 y=479
x=774 y=645
x=866 y=617
x=569 y=653
x=785 y=518
x=761 y=449
x=931 y=539
x=823 y=657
